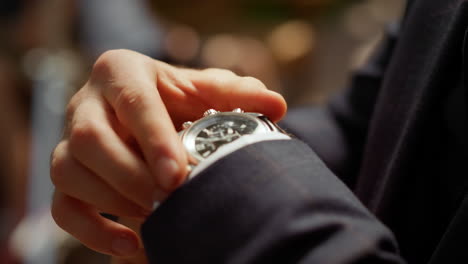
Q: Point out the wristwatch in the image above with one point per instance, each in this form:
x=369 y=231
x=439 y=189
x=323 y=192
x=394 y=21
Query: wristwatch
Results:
x=217 y=134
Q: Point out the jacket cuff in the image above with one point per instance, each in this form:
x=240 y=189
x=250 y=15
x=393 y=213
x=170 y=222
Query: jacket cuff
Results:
x=267 y=202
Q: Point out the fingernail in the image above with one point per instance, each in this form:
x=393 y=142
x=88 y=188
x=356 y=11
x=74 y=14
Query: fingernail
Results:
x=167 y=169
x=124 y=246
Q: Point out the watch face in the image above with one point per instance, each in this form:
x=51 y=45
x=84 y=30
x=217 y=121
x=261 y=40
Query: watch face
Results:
x=209 y=134
x=212 y=137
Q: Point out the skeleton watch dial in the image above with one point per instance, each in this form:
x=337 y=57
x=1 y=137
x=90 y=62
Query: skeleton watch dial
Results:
x=212 y=137
x=207 y=135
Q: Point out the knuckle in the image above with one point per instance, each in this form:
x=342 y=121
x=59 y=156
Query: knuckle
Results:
x=110 y=57
x=252 y=83
x=70 y=109
x=161 y=149
x=106 y=62
x=76 y=106
x=221 y=77
x=57 y=166
x=84 y=133
x=219 y=71
x=72 y=106
x=129 y=99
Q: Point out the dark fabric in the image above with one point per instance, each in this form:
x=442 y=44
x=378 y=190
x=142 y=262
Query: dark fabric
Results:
x=272 y=202
x=396 y=137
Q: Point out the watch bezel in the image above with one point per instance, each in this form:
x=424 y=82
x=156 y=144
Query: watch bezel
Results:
x=190 y=134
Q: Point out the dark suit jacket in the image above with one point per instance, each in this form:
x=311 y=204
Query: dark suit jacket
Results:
x=381 y=177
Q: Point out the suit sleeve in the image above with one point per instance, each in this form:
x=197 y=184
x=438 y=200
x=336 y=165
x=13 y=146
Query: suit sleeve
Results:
x=338 y=130
x=270 y=202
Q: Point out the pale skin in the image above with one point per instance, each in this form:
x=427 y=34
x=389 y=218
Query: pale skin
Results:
x=120 y=151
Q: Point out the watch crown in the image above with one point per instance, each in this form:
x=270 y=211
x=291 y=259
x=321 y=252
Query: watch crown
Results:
x=187 y=124
x=210 y=112
x=238 y=110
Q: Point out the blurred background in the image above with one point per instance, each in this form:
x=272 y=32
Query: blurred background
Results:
x=304 y=49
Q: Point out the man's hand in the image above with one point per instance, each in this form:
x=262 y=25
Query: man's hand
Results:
x=121 y=151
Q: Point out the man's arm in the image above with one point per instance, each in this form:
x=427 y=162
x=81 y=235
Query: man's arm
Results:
x=271 y=202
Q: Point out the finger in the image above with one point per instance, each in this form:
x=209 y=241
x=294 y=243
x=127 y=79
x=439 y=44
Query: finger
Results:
x=231 y=91
x=87 y=93
x=93 y=230
x=94 y=144
x=75 y=180
x=138 y=258
x=139 y=108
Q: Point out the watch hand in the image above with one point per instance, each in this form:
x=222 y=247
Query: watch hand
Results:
x=209 y=140
x=214 y=139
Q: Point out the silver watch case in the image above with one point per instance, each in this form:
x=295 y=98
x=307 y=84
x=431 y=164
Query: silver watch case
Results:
x=197 y=135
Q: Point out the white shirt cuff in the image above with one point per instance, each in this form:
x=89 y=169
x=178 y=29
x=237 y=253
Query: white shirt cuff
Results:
x=229 y=148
